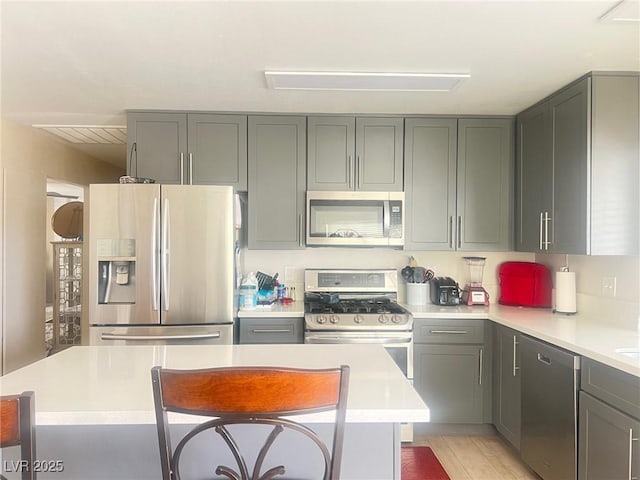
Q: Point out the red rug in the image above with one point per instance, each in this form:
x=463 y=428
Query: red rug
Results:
x=420 y=463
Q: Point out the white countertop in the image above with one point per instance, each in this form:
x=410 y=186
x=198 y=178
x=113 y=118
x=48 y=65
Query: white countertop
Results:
x=295 y=309
x=587 y=334
x=112 y=385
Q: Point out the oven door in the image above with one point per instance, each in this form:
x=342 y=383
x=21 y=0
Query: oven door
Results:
x=399 y=345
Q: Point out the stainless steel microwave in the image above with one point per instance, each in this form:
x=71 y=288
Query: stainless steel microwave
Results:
x=355 y=219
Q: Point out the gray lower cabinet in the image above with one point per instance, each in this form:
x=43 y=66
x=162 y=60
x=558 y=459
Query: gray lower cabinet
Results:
x=459 y=183
x=452 y=370
x=507 y=384
x=577 y=169
x=276 y=171
x=609 y=442
x=188 y=148
x=270 y=330
x=349 y=153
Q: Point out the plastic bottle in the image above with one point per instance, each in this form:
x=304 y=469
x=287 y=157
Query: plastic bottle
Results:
x=249 y=292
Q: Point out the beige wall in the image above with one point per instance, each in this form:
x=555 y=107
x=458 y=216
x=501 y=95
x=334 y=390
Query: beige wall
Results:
x=28 y=158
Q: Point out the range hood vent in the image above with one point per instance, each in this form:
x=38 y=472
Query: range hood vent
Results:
x=88 y=134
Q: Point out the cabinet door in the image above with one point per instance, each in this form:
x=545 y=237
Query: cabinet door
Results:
x=570 y=136
x=450 y=380
x=156 y=146
x=506 y=383
x=218 y=150
x=430 y=183
x=379 y=154
x=331 y=153
x=534 y=170
x=485 y=184
x=276 y=162
x=608 y=445
x=270 y=330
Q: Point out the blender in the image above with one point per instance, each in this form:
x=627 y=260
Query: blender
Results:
x=474 y=293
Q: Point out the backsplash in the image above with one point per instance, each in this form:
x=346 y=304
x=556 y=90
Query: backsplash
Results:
x=290 y=264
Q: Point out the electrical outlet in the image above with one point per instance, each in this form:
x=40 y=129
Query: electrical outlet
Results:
x=609 y=286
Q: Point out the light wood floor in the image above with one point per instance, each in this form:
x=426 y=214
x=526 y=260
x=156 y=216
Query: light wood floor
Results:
x=476 y=457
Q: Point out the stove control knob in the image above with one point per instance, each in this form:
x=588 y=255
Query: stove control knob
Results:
x=321 y=319
x=396 y=319
x=358 y=318
x=383 y=319
x=334 y=319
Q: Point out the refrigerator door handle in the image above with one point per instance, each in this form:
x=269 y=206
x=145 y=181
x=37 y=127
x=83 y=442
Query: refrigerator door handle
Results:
x=165 y=256
x=154 y=250
x=196 y=336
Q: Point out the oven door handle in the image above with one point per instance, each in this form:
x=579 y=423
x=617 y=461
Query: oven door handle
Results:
x=337 y=339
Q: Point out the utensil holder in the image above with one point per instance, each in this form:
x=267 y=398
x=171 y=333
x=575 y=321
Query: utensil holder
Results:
x=417 y=293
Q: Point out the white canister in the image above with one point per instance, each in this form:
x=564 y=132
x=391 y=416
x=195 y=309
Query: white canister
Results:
x=417 y=293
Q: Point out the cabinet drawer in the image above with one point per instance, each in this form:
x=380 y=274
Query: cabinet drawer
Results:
x=611 y=385
x=268 y=330
x=448 y=331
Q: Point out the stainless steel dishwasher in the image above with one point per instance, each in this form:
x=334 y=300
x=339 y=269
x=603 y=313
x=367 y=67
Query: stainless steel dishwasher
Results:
x=550 y=384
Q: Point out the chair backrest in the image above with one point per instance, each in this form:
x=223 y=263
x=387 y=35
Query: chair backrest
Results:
x=255 y=395
x=17 y=427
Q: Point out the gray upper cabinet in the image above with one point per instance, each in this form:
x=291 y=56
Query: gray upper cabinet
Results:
x=347 y=153
x=459 y=183
x=579 y=152
x=181 y=148
x=218 y=150
x=156 y=143
x=276 y=171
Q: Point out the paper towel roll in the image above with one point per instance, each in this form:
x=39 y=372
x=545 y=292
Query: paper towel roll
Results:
x=565 y=292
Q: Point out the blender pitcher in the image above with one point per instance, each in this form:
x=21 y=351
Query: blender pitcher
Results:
x=474 y=293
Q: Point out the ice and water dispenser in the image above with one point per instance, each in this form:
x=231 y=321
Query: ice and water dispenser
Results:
x=116 y=271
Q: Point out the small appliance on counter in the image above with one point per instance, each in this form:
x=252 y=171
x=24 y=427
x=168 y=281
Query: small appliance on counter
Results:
x=474 y=293
x=445 y=291
x=524 y=284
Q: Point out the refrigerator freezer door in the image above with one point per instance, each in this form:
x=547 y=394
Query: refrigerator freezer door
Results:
x=161 y=335
x=124 y=228
x=197 y=262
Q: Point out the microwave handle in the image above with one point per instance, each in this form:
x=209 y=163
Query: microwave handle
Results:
x=386 y=218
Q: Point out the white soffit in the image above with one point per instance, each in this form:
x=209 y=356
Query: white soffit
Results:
x=90 y=134
x=624 y=11
x=419 y=82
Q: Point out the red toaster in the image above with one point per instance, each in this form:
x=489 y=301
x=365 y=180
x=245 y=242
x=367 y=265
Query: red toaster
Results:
x=526 y=284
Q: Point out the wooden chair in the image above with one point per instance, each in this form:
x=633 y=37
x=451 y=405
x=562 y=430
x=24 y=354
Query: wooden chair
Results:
x=250 y=395
x=17 y=427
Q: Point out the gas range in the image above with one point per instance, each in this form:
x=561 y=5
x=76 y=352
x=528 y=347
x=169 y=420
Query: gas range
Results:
x=354 y=300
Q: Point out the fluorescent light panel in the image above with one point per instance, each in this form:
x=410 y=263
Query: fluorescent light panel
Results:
x=425 y=82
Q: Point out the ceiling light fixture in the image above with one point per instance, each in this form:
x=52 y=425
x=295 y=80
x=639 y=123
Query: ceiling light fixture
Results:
x=410 y=82
x=624 y=11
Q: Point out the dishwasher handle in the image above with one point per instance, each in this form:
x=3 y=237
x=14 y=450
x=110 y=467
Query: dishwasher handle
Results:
x=544 y=359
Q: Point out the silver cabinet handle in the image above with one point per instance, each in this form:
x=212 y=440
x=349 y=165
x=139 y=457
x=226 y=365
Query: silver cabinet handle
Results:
x=515 y=368
x=451 y=232
x=124 y=336
x=350 y=171
x=544 y=359
x=190 y=168
x=300 y=230
x=631 y=440
x=546 y=230
x=275 y=330
x=480 y=368
x=357 y=171
x=454 y=332
x=541 y=220
x=181 y=168
x=459 y=234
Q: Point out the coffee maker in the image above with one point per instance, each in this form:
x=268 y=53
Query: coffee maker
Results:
x=474 y=293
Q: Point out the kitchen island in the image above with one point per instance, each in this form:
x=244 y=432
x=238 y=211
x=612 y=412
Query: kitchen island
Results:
x=95 y=414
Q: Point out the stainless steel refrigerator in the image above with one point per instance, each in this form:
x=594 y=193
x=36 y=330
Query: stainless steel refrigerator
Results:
x=161 y=264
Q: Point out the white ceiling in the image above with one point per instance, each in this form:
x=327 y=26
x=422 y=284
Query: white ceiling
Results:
x=87 y=62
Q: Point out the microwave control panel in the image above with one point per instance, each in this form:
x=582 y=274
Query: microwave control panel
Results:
x=396 y=219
